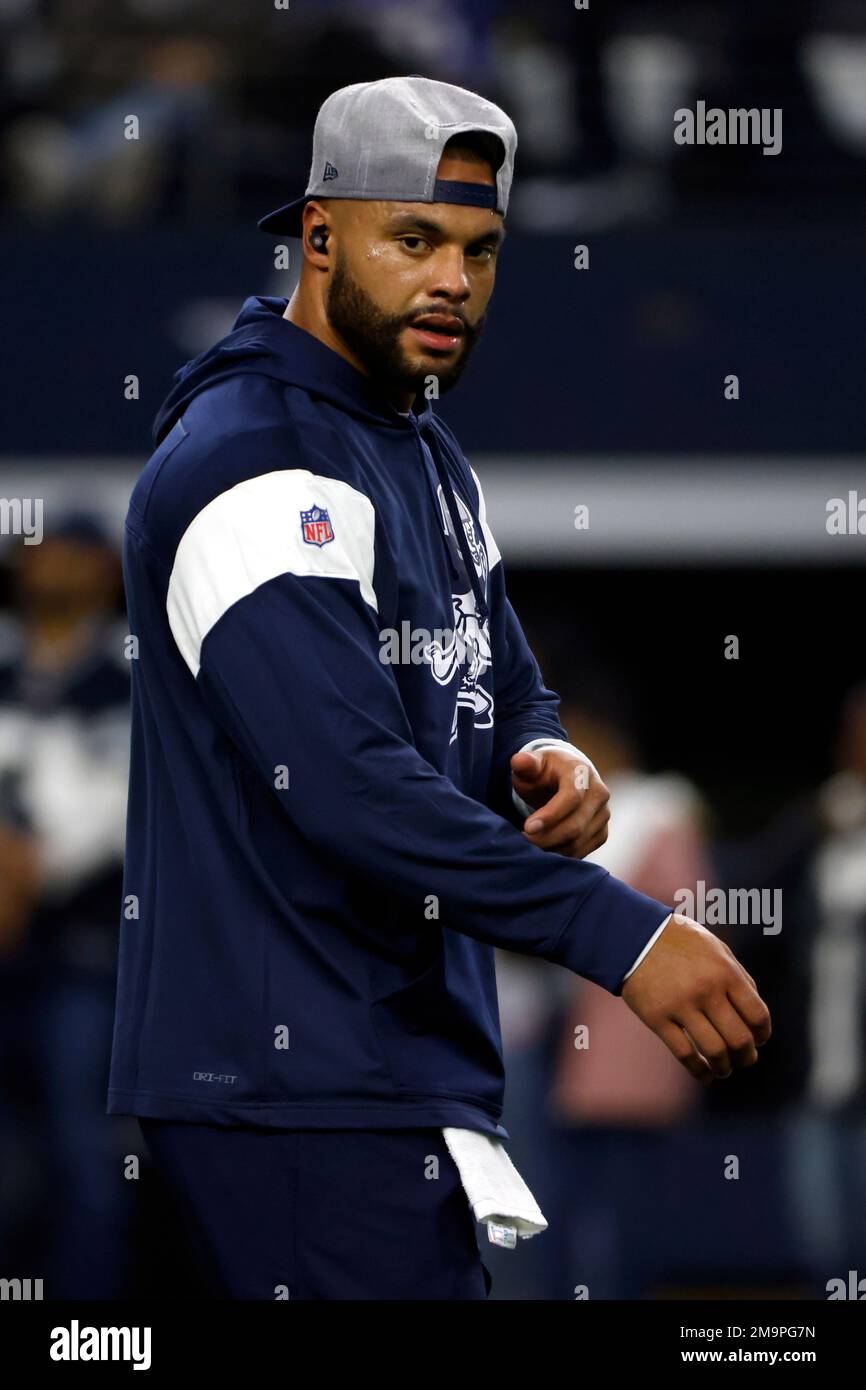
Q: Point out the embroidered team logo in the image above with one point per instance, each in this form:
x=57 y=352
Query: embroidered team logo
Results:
x=316 y=528
x=467 y=655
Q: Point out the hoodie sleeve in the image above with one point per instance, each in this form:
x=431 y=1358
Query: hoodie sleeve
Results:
x=282 y=638
x=526 y=711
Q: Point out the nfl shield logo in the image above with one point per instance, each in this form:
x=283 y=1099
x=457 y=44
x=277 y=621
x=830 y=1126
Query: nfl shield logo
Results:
x=316 y=528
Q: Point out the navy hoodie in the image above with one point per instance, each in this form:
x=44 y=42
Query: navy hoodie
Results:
x=322 y=847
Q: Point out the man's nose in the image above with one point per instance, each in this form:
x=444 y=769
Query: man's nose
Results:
x=449 y=275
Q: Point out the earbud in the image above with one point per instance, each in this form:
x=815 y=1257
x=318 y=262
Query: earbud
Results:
x=319 y=239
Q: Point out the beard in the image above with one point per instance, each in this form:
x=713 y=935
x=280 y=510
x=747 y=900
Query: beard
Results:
x=373 y=336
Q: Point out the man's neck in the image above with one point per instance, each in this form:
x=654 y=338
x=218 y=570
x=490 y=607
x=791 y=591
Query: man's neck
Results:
x=313 y=321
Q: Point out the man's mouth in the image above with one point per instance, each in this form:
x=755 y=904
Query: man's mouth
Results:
x=442 y=331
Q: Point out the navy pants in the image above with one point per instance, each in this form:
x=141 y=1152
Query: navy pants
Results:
x=321 y=1214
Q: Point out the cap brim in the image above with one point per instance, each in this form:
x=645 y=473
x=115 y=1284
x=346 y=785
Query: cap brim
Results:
x=287 y=219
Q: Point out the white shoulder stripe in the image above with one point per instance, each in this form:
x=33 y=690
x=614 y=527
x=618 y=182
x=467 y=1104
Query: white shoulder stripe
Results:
x=252 y=533
x=493 y=555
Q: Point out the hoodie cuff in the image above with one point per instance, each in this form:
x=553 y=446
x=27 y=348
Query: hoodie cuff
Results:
x=652 y=941
x=609 y=934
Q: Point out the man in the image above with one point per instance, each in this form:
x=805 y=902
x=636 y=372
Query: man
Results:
x=64 y=747
x=338 y=730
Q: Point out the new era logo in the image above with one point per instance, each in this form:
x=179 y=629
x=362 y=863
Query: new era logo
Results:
x=330 y=172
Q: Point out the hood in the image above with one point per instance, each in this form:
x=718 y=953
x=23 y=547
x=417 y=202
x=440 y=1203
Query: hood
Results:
x=263 y=342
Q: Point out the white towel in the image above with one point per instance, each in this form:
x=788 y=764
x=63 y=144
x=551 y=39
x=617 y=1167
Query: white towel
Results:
x=497 y=1193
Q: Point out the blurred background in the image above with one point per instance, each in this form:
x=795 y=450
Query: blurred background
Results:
x=736 y=767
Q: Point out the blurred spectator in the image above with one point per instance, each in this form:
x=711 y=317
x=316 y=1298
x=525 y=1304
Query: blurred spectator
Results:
x=827 y=1139
x=226 y=101
x=64 y=696
x=590 y=1125
x=813 y=975
x=617 y=1095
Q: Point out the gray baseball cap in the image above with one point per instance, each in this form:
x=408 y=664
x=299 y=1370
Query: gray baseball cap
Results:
x=384 y=140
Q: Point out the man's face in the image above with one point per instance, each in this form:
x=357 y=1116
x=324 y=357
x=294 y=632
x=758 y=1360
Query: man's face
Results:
x=411 y=281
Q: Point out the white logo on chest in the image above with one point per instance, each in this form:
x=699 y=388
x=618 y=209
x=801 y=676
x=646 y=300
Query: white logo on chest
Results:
x=468 y=651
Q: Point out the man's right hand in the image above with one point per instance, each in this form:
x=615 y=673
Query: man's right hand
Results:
x=691 y=990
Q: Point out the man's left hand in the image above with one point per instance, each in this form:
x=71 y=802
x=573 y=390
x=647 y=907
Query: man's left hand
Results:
x=570 y=800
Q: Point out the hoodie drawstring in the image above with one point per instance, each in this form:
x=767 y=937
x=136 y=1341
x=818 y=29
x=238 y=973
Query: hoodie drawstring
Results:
x=437 y=452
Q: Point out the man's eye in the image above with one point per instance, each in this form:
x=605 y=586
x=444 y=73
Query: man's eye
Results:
x=417 y=244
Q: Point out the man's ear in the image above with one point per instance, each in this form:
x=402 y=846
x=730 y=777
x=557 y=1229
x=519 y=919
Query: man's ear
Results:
x=315 y=229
